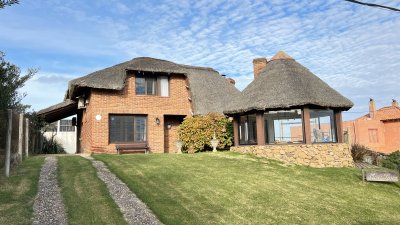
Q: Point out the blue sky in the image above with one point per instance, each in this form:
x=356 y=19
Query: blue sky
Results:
x=354 y=48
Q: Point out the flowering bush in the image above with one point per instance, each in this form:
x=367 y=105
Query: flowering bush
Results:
x=197 y=132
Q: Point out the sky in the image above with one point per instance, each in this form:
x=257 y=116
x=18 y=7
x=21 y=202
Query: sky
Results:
x=353 y=48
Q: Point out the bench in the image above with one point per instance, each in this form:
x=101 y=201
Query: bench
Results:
x=132 y=148
x=380 y=175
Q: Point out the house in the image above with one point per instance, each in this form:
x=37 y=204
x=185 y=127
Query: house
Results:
x=285 y=96
x=379 y=130
x=143 y=100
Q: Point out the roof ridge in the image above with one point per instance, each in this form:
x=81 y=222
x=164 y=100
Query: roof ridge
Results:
x=281 y=55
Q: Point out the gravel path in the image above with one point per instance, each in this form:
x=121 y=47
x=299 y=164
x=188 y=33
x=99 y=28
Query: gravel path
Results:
x=134 y=210
x=49 y=207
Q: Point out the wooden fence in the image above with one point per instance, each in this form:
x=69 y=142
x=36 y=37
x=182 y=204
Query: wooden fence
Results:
x=18 y=139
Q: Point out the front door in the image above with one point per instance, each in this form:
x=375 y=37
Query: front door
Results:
x=171 y=124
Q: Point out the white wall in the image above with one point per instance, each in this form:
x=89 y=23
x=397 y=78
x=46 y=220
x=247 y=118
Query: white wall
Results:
x=66 y=139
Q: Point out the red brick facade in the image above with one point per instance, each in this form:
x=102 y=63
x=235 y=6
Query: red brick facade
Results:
x=102 y=103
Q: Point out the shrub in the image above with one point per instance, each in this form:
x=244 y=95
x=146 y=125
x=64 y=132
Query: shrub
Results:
x=358 y=152
x=392 y=161
x=52 y=146
x=197 y=132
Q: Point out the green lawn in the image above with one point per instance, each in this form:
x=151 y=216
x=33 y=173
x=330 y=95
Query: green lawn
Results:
x=17 y=193
x=229 y=188
x=86 y=197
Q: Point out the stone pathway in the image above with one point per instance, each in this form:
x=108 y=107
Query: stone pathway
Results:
x=49 y=207
x=134 y=210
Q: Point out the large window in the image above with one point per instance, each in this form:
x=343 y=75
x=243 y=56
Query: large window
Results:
x=152 y=85
x=322 y=126
x=283 y=127
x=127 y=128
x=247 y=130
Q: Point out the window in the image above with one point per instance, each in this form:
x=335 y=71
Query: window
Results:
x=152 y=85
x=127 y=128
x=283 y=127
x=373 y=135
x=322 y=126
x=66 y=126
x=247 y=130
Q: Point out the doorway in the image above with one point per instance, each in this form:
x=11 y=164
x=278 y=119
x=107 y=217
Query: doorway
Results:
x=171 y=124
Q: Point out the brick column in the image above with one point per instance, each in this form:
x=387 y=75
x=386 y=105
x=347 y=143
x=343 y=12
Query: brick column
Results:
x=338 y=123
x=236 y=130
x=306 y=125
x=260 y=128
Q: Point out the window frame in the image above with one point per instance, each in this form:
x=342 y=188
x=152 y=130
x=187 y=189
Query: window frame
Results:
x=66 y=127
x=282 y=115
x=133 y=128
x=156 y=79
x=246 y=130
x=373 y=135
x=333 y=128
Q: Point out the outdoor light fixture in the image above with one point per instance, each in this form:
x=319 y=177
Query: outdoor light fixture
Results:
x=157 y=121
x=169 y=126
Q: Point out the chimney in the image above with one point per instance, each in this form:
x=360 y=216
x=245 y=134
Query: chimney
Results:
x=372 y=108
x=259 y=65
x=395 y=103
x=231 y=81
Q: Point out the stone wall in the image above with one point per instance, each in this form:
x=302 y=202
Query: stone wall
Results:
x=314 y=155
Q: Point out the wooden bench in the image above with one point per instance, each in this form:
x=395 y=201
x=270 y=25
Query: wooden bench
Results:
x=132 y=148
x=380 y=175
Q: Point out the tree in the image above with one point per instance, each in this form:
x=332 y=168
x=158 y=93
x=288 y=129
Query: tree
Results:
x=4 y=3
x=10 y=81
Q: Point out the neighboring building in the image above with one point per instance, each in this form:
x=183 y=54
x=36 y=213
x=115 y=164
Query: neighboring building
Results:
x=288 y=113
x=143 y=100
x=64 y=133
x=378 y=130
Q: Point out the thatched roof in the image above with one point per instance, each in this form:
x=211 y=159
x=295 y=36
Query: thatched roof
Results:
x=285 y=84
x=210 y=91
x=59 y=111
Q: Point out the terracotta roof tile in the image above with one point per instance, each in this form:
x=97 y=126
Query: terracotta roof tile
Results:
x=386 y=113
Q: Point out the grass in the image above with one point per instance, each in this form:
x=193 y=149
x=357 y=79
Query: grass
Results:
x=17 y=192
x=86 y=197
x=229 y=188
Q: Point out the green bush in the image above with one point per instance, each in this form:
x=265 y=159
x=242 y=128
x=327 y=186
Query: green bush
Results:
x=52 y=146
x=392 y=161
x=197 y=132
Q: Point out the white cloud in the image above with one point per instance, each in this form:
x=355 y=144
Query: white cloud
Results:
x=353 y=48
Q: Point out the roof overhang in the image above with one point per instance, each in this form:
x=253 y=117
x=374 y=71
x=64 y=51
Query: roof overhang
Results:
x=59 y=111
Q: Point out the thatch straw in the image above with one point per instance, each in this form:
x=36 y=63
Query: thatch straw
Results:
x=285 y=84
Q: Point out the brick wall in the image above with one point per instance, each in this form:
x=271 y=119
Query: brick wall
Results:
x=259 y=65
x=314 y=155
x=95 y=134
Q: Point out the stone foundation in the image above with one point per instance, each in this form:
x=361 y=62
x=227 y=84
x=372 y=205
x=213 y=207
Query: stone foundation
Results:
x=314 y=155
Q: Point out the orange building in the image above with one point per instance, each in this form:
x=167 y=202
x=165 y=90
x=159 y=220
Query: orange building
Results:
x=379 y=129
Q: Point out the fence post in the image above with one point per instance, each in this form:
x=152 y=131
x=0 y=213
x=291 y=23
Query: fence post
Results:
x=26 y=137
x=8 y=143
x=20 y=134
x=33 y=141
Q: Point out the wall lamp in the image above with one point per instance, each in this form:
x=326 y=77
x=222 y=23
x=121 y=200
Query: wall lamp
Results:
x=157 y=121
